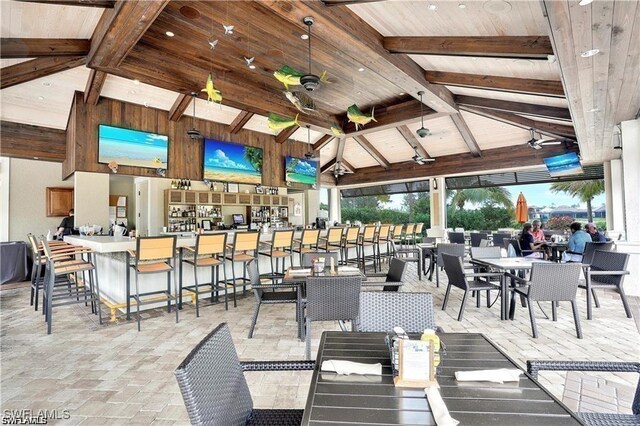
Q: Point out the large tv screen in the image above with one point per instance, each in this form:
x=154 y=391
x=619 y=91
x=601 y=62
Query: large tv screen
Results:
x=301 y=170
x=230 y=162
x=132 y=147
x=563 y=165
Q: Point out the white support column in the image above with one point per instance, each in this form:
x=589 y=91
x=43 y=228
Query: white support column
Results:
x=334 y=205
x=614 y=192
x=438 y=199
x=4 y=198
x=91 y=199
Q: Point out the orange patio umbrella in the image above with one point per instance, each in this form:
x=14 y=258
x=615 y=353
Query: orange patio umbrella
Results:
x=522 y=210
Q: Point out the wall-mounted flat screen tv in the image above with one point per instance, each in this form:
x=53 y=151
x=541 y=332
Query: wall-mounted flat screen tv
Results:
x=230 y=162
x=563 y=165
x=132 y=147
x=301 y=170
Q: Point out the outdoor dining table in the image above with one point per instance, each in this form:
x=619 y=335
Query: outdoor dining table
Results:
x=504 y=265
x=356 y=399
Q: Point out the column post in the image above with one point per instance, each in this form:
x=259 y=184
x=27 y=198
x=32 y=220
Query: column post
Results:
x=438 y=199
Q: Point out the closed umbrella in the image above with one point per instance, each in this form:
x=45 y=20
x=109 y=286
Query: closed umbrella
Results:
x=522 y=210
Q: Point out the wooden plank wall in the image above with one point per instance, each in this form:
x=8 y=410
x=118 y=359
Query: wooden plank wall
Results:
x=185 y=155
x=26 y=141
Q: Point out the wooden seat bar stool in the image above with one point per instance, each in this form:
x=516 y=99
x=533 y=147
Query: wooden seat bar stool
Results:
x=153 y=255
x=208 y=252
x=382 y=238
x=366 y=239
x=307 y=243
x=350 y=241
x=333 y=241
x=243 y=250
x=280 y=248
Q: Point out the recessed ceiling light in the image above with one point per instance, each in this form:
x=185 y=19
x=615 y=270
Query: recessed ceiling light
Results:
x=401 y=93
x=361 y=69
x=462 y=5
x=147 y=104
x=136 y=81
x=46 y=83
x=36 y=158
x=432 y=7
x=41 y=98
x=594 y=110
x=304 y=36
x=590 y=53
x=585 y=2
x=169 y=34
x=253 y=67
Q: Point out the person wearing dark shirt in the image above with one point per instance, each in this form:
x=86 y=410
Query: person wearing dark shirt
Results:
x=66 y=226
x=527 y=242
x=596 y=236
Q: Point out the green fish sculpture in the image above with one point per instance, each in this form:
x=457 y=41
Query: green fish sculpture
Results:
x=336 y=130
x=276 y=122
x=358 y=117
x=290 y=77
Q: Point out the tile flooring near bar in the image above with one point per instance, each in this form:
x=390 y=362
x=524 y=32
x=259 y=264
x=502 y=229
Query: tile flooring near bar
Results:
x=112 y=374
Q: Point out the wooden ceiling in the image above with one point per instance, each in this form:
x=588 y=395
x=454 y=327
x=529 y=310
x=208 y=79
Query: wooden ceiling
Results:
x=489 y=70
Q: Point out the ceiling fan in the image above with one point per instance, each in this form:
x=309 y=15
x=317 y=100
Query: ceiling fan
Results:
x=309 y=81
x=541 y=143
x=423 y=132
x=194 y=133
x=419 y=159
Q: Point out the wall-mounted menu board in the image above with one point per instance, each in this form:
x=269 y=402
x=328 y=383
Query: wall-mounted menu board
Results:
x=230 y=162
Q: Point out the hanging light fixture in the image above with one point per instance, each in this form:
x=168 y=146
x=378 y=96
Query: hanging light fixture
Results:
x=423 y=132
x=309 y=81
x=310 y=155
x=194 y=133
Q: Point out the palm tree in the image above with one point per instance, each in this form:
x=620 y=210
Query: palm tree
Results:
x=584 y=190
x=496 y=194
x=254 y=157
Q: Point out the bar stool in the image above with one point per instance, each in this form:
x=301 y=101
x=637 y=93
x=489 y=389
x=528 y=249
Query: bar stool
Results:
x=64 y=265
x=209 y=252
x=382 y=238
x=333 y=241
x=408 y=235
x=350 y=240
x=308 y=242
x=153 y=255
x=243 y=250
x=280 y=247
x=366 y=239
x=40 y=262
x=417 y=233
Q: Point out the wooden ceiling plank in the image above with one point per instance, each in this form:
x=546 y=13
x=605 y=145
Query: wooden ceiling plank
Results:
x=513 y=156
x=550 y=129
x=517 y=107
x=238 y=123
x=94 y=87
x=119 y=29
x=412 y=140
x=179 y=106
x=37 y=68
x=340 y=150
x=520 y=47
x=505 y=84
x=372 y=151
x=86 y=3
x=347 y=166
x=328 y=166
x=32 y=142
x=37 y=47
x=337 y=27
x=285 y=134
x=330 y=3
x=322 y=142
x=466 y=134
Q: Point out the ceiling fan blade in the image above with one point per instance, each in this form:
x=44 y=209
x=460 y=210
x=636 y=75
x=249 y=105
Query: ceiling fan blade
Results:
x=550 y=142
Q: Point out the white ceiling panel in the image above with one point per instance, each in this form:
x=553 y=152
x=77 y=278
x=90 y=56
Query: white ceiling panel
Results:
x=301 y=135
x=391 y=144
x=212 y=111
x=492 y=134
x=357 y=156
x=259 y=123
x=507 y=96
x=13 y=61
x=445 y=139
x=142 y=94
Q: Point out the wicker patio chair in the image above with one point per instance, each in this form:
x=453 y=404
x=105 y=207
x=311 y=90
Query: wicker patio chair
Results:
x=456 y=237
x=393 y=277
x=607 y=270
x=596 y=419
x=454 y=268
x=550 y=282
x=476 y=237
x=448 y=248
x=215 y=391
x=498 y=239
x=330 y=299
x=409 y=253
x=381 y=311
x=590 y=250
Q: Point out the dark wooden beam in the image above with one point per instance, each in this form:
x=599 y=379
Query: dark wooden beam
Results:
x=322 y=142
x=94 y=86
x=87 y=3
x=179 y=106
x=466 y=134
x=36 y=68
x=238 y=123
x=372 y=151
x=521 y=47
x=32 y=142
x=347 y=165
x=36 y=47
x=285 y=134
x=550 y=129
x=119 y=29
x=330 y=3
x=503 y=84
x=412 y=140
x=514 y=156
x=517 y=107
x=328 y=166
x=348 y=33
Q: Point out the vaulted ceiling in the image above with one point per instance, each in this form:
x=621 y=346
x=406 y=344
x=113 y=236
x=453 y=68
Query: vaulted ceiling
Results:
x=490 y=70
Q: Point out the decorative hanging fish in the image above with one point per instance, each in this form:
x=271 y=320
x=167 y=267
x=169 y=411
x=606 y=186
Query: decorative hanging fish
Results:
x=213 y=94
x=228 y=29
x=290 y=77
x=303 y=102
x=278 y=123
x=336 y=130
x=358 y=117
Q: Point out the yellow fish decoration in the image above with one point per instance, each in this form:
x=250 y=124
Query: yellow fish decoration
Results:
x=276 y=122
x=336 y=130
x=358 y=117
x=290 y=77
x=213 y=94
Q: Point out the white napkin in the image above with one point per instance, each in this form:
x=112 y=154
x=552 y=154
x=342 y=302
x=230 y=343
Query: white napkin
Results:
x=500 y=375
x=348 y=367
x=438 y=408
x=348 y=269
x=299 y=272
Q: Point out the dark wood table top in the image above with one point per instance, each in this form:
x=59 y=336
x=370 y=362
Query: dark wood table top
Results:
x=335 y=399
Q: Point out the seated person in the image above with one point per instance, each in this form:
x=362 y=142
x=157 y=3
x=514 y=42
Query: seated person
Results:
x=527 y=243
x=596 y=236
x=537 y=232
x=66 y=226
x=577 y=241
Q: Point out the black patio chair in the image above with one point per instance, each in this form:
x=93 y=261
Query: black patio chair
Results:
x=499 y=237
x=394 y=276
x=456 y=237
x=607 y=270
x=596 y=419
x=448 y=248
x=382 y=311
x=476 y=237
x=215 y=391
x=590 y=250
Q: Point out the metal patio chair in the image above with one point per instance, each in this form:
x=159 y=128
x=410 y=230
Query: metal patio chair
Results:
x=382 y=311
